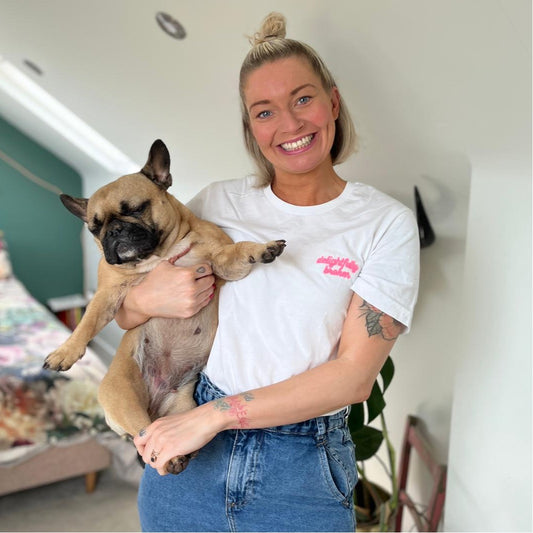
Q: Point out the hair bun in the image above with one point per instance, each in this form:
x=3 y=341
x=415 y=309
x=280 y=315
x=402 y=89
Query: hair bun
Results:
x=273 y=27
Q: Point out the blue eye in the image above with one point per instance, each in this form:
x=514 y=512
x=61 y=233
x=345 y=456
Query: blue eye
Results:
x=303 y=99
x=264 y=114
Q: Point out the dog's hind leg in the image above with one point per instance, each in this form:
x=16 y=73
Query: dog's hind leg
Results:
x=123 y=393
x=178 y=402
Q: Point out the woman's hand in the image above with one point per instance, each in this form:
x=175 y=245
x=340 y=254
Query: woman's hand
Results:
x=167 y=291
x=178 y=434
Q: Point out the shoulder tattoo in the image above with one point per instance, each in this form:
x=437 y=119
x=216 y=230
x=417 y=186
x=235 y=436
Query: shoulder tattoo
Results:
x=378 y=323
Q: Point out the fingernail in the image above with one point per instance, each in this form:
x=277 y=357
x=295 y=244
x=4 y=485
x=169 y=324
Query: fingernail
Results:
x=200 y=270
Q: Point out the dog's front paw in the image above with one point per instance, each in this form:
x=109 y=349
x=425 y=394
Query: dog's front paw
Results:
x=273 y=250
x=62 y=359
x=178 y=464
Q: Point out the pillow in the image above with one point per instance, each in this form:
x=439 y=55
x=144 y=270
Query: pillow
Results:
x=5 y=263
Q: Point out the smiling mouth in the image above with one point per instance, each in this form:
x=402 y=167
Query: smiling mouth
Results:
x=299 y=144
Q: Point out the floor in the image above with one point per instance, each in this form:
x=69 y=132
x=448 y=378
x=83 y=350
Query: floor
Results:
x=65 y=506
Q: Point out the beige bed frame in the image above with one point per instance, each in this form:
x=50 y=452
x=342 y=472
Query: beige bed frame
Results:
x=55 y=464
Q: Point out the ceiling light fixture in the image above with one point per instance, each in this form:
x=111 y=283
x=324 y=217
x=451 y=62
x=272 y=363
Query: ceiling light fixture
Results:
x=170 y=25
x=36 y=100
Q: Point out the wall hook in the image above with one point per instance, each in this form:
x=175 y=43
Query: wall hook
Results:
x=425 y=231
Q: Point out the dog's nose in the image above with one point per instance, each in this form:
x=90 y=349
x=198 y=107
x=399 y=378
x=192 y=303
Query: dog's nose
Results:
x=113 y=229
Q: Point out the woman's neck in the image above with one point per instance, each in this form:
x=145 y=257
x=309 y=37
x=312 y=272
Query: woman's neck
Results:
x=308 y=189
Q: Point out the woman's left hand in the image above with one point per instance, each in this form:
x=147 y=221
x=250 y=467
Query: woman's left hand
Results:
x=178 y=434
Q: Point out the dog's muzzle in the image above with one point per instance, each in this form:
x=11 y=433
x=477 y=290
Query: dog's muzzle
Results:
x=126 y=242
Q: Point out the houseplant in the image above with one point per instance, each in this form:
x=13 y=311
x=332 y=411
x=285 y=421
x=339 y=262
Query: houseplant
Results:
x=375 y=506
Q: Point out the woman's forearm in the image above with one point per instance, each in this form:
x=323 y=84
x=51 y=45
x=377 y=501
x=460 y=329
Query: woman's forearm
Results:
x=313 y=393
x=130 y=313
x=167 y=291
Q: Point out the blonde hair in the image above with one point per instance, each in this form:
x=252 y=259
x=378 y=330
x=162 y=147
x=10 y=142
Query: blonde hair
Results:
x=269 y=44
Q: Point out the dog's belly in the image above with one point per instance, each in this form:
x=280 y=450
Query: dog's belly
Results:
x=171 y=352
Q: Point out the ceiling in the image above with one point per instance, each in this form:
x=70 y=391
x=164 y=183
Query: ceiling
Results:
x=110 y=63
x=418 y=76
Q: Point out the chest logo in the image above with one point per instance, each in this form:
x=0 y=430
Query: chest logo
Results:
x=338 y=266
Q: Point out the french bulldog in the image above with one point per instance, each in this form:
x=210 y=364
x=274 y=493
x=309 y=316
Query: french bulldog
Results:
x=137 y=224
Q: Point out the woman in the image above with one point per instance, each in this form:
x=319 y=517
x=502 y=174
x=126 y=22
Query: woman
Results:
x=299 y=340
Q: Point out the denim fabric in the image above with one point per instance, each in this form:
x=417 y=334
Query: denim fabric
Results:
x=298 y=477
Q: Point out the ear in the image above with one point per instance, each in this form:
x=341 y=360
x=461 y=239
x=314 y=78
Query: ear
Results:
x=335 y=102
x=157 y=167
x=77 y=206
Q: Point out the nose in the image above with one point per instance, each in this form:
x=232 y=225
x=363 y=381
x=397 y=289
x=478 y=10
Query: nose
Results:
x=114 y=229
x=290 y=122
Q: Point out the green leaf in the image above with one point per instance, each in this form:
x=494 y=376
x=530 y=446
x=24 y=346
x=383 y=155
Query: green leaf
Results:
x=367 y=441
x=356 y=419
x=387 y=373
x=375 y=402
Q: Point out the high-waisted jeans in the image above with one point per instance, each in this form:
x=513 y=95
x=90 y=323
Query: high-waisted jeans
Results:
x=298 y=477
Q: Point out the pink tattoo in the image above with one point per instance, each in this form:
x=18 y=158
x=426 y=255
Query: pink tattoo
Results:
x=234 y=405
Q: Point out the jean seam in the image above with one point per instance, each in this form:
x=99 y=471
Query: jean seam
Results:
x=229 y=508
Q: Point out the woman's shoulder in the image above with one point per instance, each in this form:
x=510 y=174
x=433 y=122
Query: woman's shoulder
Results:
x=231 y=186
x=222 y=191
x=368 y=195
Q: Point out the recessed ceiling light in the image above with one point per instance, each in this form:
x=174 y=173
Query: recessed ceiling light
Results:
x=170 y=25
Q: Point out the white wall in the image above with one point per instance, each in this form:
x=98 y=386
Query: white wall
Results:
x=440 y=93
x=489 y=486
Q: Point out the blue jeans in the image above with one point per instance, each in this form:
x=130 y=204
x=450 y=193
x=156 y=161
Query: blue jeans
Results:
x=298 y=477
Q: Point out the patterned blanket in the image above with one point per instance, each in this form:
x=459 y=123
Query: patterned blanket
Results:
x=39 y=406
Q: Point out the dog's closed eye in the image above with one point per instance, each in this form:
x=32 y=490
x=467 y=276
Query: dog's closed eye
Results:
x=129 y=210
x=95 y=226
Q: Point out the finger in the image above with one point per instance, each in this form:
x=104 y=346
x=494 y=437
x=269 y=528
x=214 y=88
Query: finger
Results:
x=141 y=438
x=202 y=270
x=205 y=284
x=162 y=471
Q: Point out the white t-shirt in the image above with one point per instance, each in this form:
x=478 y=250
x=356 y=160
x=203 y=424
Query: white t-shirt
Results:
x=286 y=317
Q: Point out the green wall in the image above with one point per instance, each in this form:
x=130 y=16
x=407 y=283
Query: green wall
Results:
x=43 y=238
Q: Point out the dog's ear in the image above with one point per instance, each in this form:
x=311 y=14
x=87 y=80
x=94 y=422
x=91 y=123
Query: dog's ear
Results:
x=77 y=206
x=157 y=167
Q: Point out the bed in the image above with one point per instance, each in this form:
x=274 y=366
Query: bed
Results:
x=51 y=425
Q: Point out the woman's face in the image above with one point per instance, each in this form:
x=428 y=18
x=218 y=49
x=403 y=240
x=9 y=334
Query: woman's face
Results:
x=292 y=116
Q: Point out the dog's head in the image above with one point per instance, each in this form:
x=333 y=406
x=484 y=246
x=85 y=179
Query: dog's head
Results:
x=131 y=217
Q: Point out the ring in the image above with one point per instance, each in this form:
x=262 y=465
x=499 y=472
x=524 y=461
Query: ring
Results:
x=154 y=456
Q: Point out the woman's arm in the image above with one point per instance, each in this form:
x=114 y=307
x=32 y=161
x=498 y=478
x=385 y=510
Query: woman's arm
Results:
x=167 y=291
x=367 y=339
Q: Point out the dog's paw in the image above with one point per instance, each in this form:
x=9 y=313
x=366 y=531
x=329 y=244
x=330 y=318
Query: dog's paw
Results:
x=62 y=359
x=273 y=250
x=178 y=464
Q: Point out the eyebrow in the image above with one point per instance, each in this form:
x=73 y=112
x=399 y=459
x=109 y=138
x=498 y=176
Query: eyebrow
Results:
x=292 y=93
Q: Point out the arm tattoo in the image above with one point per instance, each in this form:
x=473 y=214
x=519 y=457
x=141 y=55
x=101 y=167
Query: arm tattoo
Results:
x=378 y=323
x=235 y=405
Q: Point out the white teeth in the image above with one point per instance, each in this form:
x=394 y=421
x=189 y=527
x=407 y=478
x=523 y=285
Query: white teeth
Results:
x=300 y=143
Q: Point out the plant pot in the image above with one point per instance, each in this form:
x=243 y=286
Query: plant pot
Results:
x=371 y=502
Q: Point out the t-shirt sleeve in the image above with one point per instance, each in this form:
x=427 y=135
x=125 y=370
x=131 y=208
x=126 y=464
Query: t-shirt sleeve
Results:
x=389 y=277
x=197 y=203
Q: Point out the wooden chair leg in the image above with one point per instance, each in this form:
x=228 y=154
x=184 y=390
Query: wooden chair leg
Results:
x=90 y=481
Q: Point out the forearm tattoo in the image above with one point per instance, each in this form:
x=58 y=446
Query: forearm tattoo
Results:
x=378 y=323
x=236 y=406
